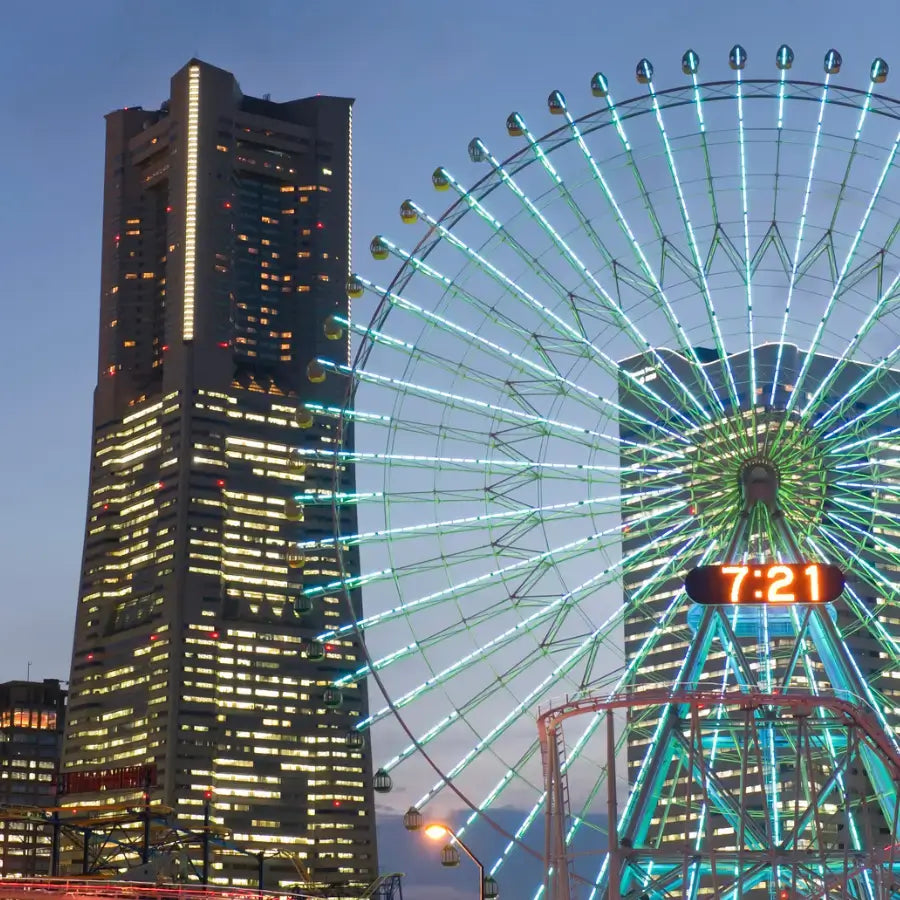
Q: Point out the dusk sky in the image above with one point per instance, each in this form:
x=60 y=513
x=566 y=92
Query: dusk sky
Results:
x=426 y=76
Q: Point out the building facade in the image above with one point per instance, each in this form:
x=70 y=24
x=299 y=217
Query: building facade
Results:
x=226 y=227
x=32 y=717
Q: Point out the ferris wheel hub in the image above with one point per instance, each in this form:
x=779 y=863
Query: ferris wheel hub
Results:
x=759 y=479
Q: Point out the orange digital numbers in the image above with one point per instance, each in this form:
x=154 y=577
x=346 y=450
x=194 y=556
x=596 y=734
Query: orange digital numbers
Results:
x=779 y=578
x=781 y=584
x=739 y=573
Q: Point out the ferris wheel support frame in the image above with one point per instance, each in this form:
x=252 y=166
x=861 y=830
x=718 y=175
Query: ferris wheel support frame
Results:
x=864 y=734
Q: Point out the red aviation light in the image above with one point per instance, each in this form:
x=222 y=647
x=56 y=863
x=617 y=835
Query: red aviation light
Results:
x=154 y=637
x=224 y=344
x=335 y=803
x=214 y=635
x=320 y=225
x=329 y=648
x=227 y=205
x=207 y=794
x=168 y=209
x=220 y=482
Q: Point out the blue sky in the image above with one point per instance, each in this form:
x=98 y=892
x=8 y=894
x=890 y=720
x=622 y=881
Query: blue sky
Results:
x=426 y=76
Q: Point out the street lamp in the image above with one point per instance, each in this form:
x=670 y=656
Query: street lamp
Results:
x=487 y=887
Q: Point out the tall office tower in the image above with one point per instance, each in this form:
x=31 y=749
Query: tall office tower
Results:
x=32 y=714
x=714 y=471
x=226 y=251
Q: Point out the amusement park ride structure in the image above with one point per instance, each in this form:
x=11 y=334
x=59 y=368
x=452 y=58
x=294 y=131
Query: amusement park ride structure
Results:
x=642 y=377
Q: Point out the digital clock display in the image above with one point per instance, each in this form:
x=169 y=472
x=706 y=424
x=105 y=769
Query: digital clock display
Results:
x=776 y=584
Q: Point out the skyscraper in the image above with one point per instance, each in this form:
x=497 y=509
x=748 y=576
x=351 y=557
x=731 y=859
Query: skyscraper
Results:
x=226 y=228
x=32 y=714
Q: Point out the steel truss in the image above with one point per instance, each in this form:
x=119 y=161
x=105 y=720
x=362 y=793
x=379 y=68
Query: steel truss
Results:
x=717 y=745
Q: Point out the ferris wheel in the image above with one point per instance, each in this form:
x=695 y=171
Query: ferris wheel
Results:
x=660 y=339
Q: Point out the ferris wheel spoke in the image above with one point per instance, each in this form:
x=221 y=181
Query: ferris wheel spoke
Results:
x=561 y=671
x=462 y=524
x=511 y=776
x=698 y=263
x=516 y=123
x=784 y=59
x=865 y=513
x=660 y=551
x=745 y=215
x=618 y=214
x=836 y=290
x=859 y=566
x=829 y=379
x=859 y=608
x=851 y=156
x=656 y=293
x=561 y=605
x=574 y=337
x=347 y=415
x=691 y=65
x=861 y=526
x=867 y=382
x=865 y=489
x=562 y=470
x=870 y=416
x=801 y=225
x=885 y=303
x=878 y=441
x=527 y=368
x=555 y=555
x=486 y=742
x=513 y=417
x=525 y=626
x=479 y=151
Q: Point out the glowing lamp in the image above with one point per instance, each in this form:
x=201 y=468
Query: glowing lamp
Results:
x=436 y=832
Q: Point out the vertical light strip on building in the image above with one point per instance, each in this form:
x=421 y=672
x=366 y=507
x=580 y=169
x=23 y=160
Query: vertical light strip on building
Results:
x=349 y=223
x=190 y=202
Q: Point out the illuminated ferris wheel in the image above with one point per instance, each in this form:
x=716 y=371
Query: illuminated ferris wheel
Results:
x=661 y=339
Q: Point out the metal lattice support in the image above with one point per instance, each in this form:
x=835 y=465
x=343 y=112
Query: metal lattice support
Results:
x=718 y=740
